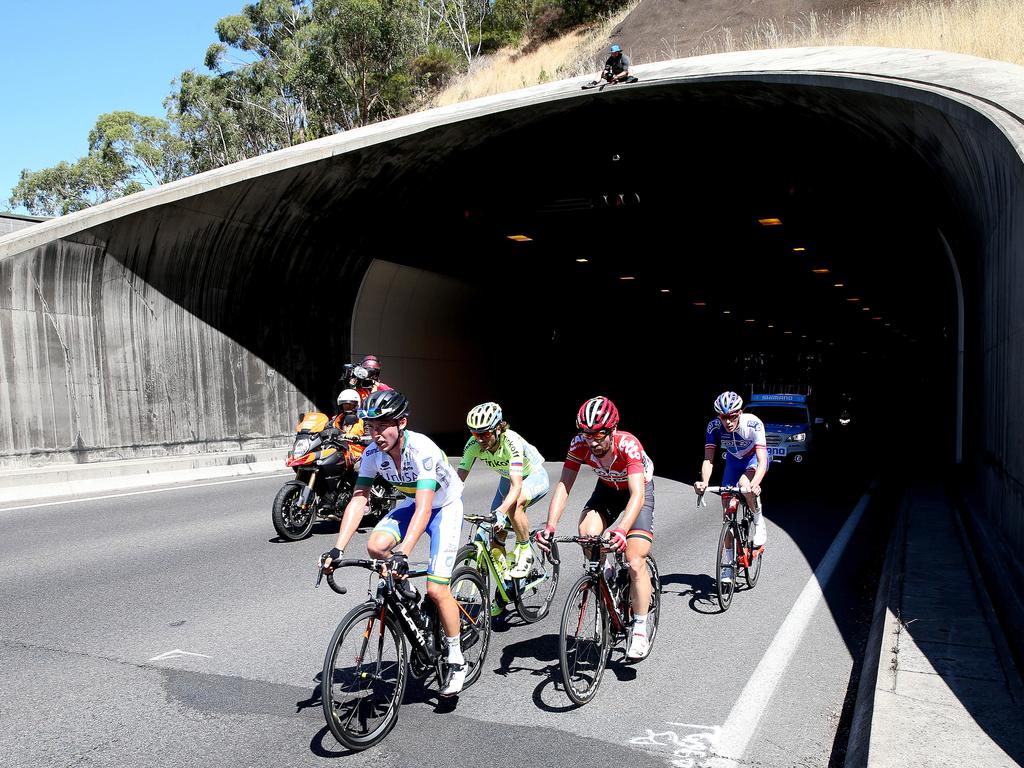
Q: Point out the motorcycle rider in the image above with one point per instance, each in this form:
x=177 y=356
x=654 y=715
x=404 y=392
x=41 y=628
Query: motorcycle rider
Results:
x=350 y=426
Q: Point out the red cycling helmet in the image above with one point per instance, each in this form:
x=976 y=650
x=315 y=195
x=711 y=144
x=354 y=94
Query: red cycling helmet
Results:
x=597 y=413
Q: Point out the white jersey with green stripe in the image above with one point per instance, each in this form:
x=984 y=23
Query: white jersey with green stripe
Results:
x=512 y=454
x=424 y=465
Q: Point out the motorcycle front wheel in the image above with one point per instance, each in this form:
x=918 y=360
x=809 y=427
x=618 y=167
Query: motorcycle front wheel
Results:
x=291 y=521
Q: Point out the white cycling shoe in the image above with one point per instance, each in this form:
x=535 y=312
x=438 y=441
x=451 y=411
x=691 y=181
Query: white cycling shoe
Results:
x=639 y=646
x=456 y=679
x=523 y=564
x=726 y=576
x=760 y=533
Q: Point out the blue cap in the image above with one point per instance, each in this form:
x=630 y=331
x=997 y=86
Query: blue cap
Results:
x=616 y=48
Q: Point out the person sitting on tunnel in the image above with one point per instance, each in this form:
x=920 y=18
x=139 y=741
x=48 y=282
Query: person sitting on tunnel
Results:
x=417 y=468
x=616 y=68
x=742 y=436
x=625 y=485
x=523 y=479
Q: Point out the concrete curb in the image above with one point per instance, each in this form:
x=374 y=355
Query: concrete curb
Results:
x=875 y=663
x=105 y=477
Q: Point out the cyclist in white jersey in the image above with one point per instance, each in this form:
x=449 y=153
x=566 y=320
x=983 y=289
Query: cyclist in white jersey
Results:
x=416 y=467
x=741 y=435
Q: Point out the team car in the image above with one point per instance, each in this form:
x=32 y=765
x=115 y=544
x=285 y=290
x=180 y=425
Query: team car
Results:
x=787 y=425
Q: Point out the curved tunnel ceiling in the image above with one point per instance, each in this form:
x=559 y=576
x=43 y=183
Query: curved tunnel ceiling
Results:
x=870 y=159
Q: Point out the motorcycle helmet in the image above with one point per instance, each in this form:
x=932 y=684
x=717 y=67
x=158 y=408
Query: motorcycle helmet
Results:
x=348 y=396
x=385 y=404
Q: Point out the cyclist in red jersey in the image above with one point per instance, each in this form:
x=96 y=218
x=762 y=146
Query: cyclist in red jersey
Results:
x=625 y=485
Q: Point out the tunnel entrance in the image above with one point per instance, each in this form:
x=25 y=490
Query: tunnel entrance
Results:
x=663 y=248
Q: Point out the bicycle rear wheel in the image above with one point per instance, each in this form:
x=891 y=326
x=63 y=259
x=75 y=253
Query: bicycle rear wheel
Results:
x=364 y=677
x=726 y=588
x=583 y=643
x=534 y=593
x=752 y=571
x=654 y=611
x=470 y=592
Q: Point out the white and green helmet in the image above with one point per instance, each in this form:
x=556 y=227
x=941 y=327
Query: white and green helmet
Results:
x=484 y=417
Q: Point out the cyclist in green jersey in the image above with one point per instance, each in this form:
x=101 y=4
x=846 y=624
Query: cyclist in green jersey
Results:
x=523 y=477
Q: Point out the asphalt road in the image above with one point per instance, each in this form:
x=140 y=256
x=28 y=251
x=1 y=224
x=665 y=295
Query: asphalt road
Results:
x=98 y=599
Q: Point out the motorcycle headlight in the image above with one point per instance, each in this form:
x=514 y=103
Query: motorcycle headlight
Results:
x=799 y=437
x=301 y=446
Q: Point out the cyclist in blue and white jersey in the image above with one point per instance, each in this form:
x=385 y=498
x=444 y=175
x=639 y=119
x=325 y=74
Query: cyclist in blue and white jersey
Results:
x=416 y=467
x=741 y=435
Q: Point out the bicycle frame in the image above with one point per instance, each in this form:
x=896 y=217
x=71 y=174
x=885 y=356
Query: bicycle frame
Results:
x=596 y=571
x=481 y=540
x=746 y=553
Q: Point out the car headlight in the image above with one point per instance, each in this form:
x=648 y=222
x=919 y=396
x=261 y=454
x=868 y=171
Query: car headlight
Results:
x=301 y=446
x=799 y=437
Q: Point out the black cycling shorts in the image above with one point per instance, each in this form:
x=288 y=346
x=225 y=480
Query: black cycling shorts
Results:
x=610 y=502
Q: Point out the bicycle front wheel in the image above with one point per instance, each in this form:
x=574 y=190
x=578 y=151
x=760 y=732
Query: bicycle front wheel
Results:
x=725 y=581
x=534 y=593
x=583 y=643
x=470 y=592
x=364 y=677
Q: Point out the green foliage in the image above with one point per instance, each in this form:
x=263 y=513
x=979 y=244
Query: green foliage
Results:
x=436 y=67
x=127 y=153
x=282 y=72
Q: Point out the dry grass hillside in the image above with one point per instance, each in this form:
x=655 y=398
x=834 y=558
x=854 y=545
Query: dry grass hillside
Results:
x=654 y=30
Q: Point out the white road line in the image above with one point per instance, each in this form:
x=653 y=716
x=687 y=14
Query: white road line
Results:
x=177 y=653
x=139 y=493
x=746 y=713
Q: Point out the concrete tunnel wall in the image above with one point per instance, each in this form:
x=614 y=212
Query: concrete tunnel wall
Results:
x=161 y=322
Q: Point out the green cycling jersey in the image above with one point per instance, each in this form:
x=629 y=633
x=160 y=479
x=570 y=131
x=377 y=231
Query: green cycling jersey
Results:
x=512 y=455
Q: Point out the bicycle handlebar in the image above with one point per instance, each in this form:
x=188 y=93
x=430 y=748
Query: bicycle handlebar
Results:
x=370 y=565
x=722 y=490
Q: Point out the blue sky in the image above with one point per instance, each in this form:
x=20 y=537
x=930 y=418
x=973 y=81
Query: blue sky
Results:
x=65 y=63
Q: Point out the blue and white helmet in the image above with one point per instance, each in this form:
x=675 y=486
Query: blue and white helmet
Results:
x=728 y=402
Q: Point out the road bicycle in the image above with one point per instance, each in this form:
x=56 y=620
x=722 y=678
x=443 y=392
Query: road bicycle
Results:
x=741 y=554
x=598 y=616
x=392 y=635
x=531 y=595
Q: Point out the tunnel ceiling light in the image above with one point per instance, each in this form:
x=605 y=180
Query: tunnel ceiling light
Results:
x=803 y=335
x=665 y=290
x=787 y=333
x=817 y=341
x=853 y=298
x=838 y=285
x=520 y=238
x=865 y=309
x=877 y=317
x=726 y=311
x=771 y=222
x=582 y=261
x=700 y=303
x=799 y=249
x=887 y=325
x=770 y=325
x=750 y=320
x=627 y=277
x=821 y=271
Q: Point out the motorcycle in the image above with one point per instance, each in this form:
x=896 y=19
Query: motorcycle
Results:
x=325 y=477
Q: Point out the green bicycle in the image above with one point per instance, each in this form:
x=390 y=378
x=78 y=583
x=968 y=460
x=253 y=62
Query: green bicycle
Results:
x=532 y=594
